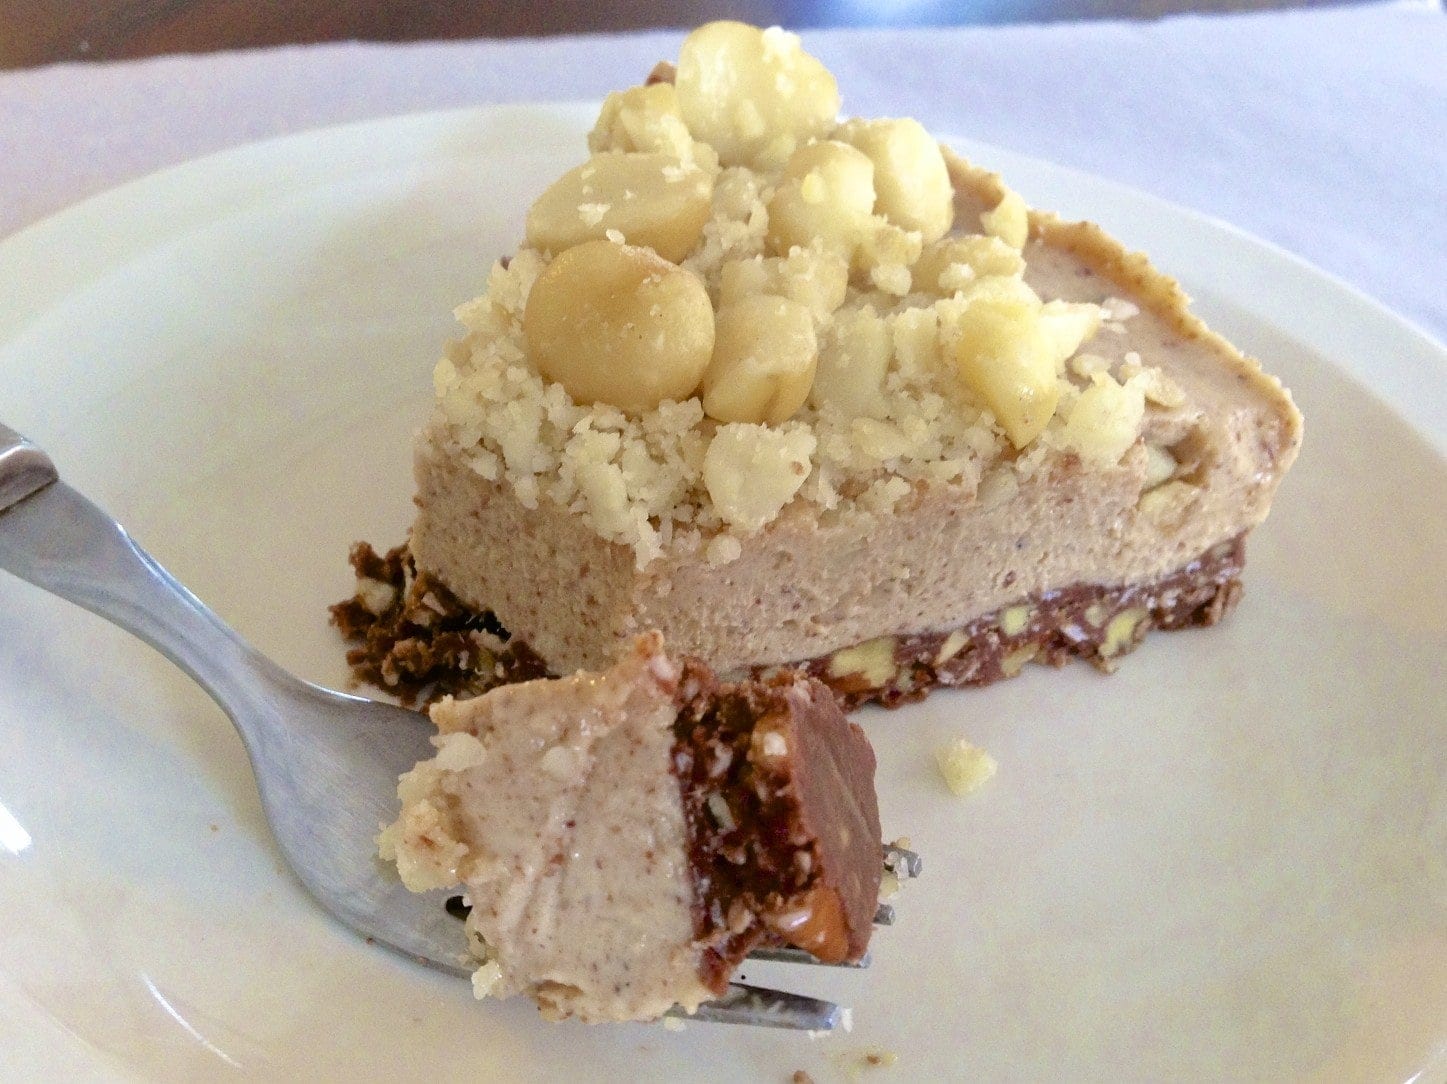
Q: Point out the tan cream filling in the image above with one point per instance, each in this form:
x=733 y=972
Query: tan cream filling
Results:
x=815 y=581
x=554 y=804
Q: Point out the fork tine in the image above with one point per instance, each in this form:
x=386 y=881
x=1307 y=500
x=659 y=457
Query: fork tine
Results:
x=760 y=1007
x=902 y=863
x=787 y=954
x=883 y=916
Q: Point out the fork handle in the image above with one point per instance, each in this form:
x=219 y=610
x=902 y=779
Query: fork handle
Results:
x=54 y=538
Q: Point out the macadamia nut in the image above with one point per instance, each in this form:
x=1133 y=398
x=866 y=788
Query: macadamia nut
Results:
x=826 y=198
x=651 y=199
x=1069 y=325
x=1104 y=420
x=752 y=471
x=619 y=324
x=853 y=359
x=753 y=95
x=764 y=356
x=912 y=186
x=1009 y=221
x=1005 y=357
x=647 y=119
x=815 y=279
x=952 y=264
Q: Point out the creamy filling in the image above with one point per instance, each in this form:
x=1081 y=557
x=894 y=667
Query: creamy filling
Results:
x=555 y=806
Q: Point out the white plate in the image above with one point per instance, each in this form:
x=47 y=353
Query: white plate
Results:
x=1227 y=861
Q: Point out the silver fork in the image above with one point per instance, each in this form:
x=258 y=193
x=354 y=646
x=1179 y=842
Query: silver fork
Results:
x=326 y=763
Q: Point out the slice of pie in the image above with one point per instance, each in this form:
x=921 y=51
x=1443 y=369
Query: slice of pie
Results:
x=798 y=392
x=626 y=837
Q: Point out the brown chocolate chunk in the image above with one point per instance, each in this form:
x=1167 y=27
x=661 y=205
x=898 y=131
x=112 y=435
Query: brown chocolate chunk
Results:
x=778 y=795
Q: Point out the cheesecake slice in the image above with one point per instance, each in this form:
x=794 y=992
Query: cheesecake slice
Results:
x=806 y=393
x=625 y=837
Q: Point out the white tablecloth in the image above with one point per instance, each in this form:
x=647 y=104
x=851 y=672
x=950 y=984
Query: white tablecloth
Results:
x=1322 y=130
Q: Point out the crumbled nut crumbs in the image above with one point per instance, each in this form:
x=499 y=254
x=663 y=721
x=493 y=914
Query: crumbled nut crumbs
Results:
x=722 y=549
x=485 y=979
x=1118 y=309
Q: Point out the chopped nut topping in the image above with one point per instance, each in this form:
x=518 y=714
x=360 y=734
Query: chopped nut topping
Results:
x=764 y=356
x=649 y=199
x=1009 y=221
x=733 y=254
x=591 y=303
x=1104 y=421
x=752 y=471
x=753 y=95
x=1006 y=357
x=910 y=177
x=825 y=198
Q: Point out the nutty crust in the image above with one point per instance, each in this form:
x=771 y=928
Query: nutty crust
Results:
x=427 y=644
x=783 y=824
x=1096 y=624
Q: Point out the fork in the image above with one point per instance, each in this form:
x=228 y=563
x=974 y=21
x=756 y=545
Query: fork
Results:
x=326 y=763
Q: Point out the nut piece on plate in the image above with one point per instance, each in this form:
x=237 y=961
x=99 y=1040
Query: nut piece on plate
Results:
x=753 y=95
x=653 y=200
x=764 y=356
x=965 y=767
x=619 y=324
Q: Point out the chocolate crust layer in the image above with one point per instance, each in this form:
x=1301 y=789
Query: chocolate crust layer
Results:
x=1096 y=624
x=424 y=643
x=783 y=823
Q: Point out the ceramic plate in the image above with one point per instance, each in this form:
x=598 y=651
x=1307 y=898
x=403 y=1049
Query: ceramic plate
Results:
x=1224 y=862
